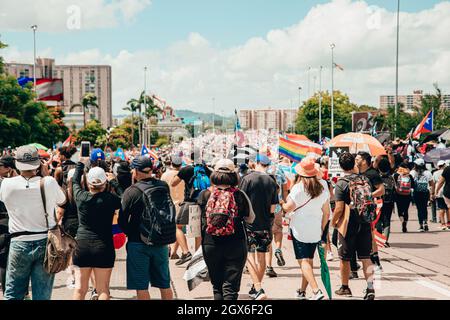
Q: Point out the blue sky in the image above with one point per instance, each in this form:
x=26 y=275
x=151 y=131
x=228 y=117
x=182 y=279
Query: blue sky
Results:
x=224 y=23
x=245 y=54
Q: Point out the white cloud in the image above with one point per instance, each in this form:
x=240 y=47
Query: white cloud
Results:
x=267 y=71
x=67 y=15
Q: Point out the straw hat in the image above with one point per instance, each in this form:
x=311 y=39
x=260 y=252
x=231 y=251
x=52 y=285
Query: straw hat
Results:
x=307 y=168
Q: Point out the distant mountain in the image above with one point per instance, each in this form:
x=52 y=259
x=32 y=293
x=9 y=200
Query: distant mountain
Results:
x=205 y=117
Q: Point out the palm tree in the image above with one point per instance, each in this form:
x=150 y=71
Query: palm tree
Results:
x=133 y=106
x=89 y=100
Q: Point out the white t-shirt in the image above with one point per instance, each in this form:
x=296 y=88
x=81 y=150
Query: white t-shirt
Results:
x=306 y=223
x=25 y=207
x=436 y=176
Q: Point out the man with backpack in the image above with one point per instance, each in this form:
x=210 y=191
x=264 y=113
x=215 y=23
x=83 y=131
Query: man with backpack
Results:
x=196 y=179
x=261 y=188
x=352 y=217
x=423 y=192
x=148 y=220
x=364 y=163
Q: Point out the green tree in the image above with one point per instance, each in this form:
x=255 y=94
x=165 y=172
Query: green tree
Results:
x=307 y=122
x=23 y=120
x=132 y=106
x=89 y=101
x=162 y=141
x=91 y=132
x=2 y=46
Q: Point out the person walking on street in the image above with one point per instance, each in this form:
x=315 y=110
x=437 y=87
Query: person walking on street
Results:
x=354 y=228
x=96 y=253
x=444 y=182
x=444 y=210
x=28 y=230
x=147 y=263
x=423 y=192
x=224 y=237
x=261 y=189
x=384 y=222
x=177 y=194
x=404 y=184
x=309 y=202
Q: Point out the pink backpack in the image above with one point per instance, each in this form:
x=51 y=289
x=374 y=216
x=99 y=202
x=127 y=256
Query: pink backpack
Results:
x=221 y=210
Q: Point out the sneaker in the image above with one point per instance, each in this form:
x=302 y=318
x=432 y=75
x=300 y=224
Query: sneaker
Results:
x=387 y=245
x=252 y=293
x=70 y=282
x=271 y=273
x=301 y=295
x=174 y=257
x=369 y=294
x=280 y=259
x=94 y=295
x=184 y=258
x=27 y=297
x=404 y=229
x=345 y=292
x=353 y=275
x=261 y=295
x=425 y=228
x=246 y=270
x=318 y=296
x=421 y=229
x=330 y=256
x=444 y=227
x=378 y=269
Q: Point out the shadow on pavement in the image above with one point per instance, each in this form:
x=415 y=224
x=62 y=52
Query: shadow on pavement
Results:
x=413 y=245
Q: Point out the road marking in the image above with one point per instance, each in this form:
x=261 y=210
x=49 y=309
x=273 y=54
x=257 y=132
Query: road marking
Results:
x=434 y=287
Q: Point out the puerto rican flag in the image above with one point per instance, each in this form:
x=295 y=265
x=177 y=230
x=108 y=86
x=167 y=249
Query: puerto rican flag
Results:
x=149 y=153
x=425 y=126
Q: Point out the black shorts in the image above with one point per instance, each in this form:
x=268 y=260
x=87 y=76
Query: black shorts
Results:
x=358 y=240
x=303 y=250
x=183 y=213
x=94 y=254
x=441 y=205
x=259 y=241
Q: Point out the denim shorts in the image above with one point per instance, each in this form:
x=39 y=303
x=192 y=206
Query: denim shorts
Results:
x=147 y=265
x=303 y=250
x=25 y=263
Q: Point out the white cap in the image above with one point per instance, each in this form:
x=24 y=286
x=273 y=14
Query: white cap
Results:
x=96 y=176
x=440 y=163
x=419 y=162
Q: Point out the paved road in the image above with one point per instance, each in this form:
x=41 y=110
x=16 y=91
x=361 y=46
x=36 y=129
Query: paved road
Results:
x=417 y=266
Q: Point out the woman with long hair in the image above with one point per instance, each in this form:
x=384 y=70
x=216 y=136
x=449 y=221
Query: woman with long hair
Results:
x=309 y=206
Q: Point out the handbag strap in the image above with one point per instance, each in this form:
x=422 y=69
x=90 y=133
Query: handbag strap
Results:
x=44 y=202
x=298 y=208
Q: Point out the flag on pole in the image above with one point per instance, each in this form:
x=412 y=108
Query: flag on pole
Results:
x=238 y=134
x=149 y=153
x=425 y=126
x=338 y=67
x=120 y=154
x=68 y=141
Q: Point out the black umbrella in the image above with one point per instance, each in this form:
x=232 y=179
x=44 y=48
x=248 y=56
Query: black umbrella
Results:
x=433 y=136
x=436 y=155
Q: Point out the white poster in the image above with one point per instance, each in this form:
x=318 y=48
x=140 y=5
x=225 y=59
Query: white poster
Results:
x=194 y=226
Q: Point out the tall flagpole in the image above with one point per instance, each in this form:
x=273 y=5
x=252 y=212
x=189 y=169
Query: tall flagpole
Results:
x=320 y=103
x=332 y=89
x=396 y=69
x=34 y=27
x=145 y=133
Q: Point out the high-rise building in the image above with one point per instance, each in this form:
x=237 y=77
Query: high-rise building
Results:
x=281 y=120
x=410 y=102
x=77 y=81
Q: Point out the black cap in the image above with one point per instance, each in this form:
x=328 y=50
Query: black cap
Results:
x=142 y=163
x=7 y=161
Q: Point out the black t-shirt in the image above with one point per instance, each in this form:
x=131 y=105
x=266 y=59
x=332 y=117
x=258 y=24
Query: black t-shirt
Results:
x=239 y=224
x=132 y=209
x=446 y=175
x=261 y=188
x=374 y=178
x=186 y=175
x=95 y=211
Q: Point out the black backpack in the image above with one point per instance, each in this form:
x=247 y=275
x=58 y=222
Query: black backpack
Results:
x=66 y=167
x=389 y=188
x=157 y=225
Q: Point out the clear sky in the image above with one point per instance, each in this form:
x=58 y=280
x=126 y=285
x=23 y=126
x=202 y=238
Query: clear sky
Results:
x=225 y=30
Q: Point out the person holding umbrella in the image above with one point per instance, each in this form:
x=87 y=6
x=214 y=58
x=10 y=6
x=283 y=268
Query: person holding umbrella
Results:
x=309 y=202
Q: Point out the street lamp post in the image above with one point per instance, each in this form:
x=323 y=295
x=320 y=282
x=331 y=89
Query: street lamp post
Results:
x=332 y=89
x=34 y=27
x=320 y=103
x=214 y=115
x=299 y=96
x=396 y=69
